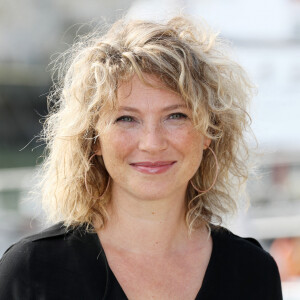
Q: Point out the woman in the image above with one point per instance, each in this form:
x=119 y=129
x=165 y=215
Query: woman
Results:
x=146 y=152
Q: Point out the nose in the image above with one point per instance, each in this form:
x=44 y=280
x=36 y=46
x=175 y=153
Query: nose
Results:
x=153 y=139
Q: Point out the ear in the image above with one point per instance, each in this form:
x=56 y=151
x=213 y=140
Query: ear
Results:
x=206 y=142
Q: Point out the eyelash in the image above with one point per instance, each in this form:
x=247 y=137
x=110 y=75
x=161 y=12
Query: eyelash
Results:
x=123 y=117
x=181 y=116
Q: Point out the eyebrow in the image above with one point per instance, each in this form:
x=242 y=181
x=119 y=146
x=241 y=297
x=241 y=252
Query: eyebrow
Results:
x=167 y=108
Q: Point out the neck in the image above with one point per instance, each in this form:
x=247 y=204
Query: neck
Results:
x=146 y=226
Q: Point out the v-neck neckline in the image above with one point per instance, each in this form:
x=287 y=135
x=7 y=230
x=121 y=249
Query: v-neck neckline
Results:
x=212 y=273
x=113 y=285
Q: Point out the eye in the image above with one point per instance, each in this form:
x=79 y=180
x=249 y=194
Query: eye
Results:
x=178 y=116
x=125 y=119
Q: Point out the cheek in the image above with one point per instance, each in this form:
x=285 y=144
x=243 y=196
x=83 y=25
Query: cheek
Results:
x=191 y=145
x=116 y=145
x=190 y=141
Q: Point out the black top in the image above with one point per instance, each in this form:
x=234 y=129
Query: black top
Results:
x=59 y=264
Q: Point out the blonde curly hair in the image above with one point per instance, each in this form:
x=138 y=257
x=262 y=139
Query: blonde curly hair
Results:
x=189 y=59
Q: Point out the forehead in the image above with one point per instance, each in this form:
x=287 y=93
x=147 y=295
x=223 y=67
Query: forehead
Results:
x=139 y=94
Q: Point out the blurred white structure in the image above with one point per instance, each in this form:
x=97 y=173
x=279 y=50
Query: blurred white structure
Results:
x=266 y=38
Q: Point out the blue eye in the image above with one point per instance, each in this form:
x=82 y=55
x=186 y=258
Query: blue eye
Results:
x=125 y=119
x=177 y=116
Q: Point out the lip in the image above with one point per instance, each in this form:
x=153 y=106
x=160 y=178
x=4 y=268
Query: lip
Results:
x=156 y=167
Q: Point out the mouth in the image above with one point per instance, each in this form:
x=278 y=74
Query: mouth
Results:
x=157 y=167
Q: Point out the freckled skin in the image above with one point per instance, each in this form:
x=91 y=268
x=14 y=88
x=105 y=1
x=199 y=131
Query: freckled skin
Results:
x=146 y=238
x=151 y=134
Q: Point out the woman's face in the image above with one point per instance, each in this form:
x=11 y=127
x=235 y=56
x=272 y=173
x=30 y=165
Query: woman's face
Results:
x=151 y=150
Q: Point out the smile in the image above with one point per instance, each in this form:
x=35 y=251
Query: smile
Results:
x=153 y=167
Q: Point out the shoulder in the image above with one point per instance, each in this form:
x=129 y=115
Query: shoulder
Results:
x=55 y=259
x=244 y=250
x=57 y=230
x=57 y=237
x=19 y=254
x=24 y=250
x=234 y=243
x=26 y=244
x=246 y=263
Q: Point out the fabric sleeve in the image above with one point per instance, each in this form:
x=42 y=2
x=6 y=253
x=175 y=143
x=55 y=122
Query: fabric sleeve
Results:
x=273 y=282
x=15 y=272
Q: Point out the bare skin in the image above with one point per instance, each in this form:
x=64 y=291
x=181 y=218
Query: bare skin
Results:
x=150 y=253
x=146 y=239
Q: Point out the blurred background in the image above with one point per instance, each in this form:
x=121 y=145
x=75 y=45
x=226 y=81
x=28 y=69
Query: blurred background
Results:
x=265 y=37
